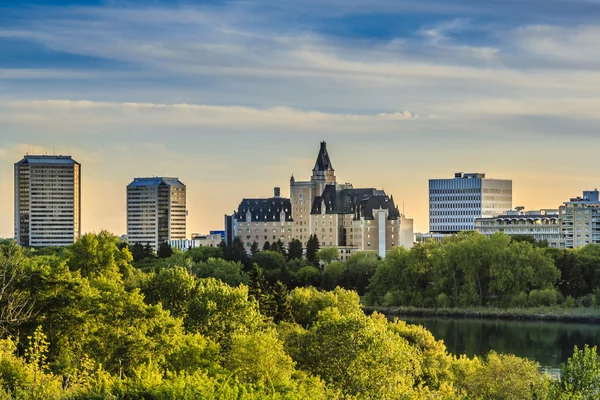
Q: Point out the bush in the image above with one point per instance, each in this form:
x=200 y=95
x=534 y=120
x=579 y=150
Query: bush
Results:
x=519 y=300
x=569 y=302
x=442 y=301
x=546 y=297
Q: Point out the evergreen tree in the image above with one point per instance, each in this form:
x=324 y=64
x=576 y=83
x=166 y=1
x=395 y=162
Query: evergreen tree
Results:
x=260 y=290
x=254 y=248
x=165 y=250
x=238 y=252
x=138 y=252
x=275 y=247
x=225 y=249
x=267 y=246
x=282 y=249
x=148 y=251
x=282 y=302
x=312 y=247
x=295 y=250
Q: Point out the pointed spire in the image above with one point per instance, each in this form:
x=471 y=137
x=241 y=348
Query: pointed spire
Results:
x=323 y=162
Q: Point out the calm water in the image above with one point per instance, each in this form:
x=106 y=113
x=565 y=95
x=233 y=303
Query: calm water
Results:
x=549 y=343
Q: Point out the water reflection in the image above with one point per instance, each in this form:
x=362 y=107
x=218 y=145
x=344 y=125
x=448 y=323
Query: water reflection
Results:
x=549 y=343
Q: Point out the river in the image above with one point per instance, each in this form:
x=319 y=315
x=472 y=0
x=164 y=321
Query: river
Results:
x=549 y=343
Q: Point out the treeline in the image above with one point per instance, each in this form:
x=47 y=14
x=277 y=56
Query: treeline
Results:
x=471 y=269
x=84 y=323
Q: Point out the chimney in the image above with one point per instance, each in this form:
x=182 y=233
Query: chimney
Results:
x=277 y=192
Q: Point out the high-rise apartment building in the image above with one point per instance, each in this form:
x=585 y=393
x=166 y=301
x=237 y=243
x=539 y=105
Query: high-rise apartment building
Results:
x=580 y=221
x=454 y=204
x=156 y=210
x=47 y=201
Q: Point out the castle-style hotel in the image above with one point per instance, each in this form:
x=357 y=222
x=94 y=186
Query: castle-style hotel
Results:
x=338 y=214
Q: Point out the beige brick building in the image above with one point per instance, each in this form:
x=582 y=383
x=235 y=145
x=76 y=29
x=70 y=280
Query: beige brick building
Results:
x=338 y=214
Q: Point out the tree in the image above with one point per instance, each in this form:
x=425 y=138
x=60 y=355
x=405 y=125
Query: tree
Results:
x=237 y=252
x=308 y=276
x=16 y=306
x=580 y=375
x=312 y=247
x=229 y=272
x=281 y=247
x=173 y=288
x=203 y=253
x=254 y=248
x=266 y=246
x=358 y=355
x=260 y=359
x=98 y=255
x=295 y=249
x=260 y=290
x=327 y=255
x=333 y=275
x=148 y=251
x=220 y=311
x=165 y=250
x=273 y=264
x=283 y=305
x=137 y=251
x=360 y=268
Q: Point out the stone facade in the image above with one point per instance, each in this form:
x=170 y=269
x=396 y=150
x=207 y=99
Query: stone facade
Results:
x=338 y=214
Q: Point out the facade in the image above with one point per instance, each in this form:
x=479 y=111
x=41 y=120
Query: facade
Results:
x=263 y=220
x=339 y=215
x=47 y=201
x=454 y=204
x=580 y=221
x=156 y=210
x=210 y=240
x=540 y=224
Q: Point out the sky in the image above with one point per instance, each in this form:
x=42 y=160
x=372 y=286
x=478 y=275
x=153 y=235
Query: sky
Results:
x=233 y=97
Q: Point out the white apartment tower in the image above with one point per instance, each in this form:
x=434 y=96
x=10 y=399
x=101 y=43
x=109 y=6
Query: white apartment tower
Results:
x=156 y=210
x=454 y=204
x=47 y=201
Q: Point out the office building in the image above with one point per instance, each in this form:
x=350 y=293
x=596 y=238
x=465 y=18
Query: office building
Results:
x=580 y=221
x=542 y=225
x=47 y=201
x=156 y=210
x=454 y=204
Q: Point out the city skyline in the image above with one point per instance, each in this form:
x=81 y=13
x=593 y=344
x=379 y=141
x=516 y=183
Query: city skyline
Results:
x=233 y=97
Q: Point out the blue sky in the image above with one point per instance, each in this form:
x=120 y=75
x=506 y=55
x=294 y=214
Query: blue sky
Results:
x=234 y=96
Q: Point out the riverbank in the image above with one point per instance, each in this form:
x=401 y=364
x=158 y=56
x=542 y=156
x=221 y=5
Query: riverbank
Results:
x=582 y=315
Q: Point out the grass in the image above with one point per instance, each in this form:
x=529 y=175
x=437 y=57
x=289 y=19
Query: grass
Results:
x=555 y=313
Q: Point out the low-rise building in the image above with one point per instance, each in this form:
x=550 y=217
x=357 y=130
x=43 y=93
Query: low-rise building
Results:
x=210 y=240
x=542 y=225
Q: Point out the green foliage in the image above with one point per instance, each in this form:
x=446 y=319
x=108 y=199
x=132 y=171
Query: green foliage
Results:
x=469 y=269
x=254 y=248
x=164 y=250
x=308 y=276
x=580 y=376
x=312 y=247
x=273 y=265
x=360 y=268
x=295 y=249
x=204 y=253
x=229 y=272
x=502 y=377
x=308 y=302
x=220 y=311
x=327 y=255
x=171 y=287
x=186 y=327
x=333 y=275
